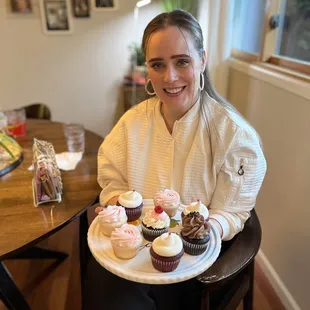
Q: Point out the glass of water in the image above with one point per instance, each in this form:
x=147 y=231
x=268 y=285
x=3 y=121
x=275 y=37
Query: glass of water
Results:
x=75 y=136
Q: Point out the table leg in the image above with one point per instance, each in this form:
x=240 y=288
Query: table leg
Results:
x=84 y=249
x=9 y=293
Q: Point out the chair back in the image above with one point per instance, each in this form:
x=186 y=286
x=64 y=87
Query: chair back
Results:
x=38 y=111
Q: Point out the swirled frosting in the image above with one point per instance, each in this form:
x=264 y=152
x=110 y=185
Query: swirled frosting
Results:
x=197 y=206
x=195 y=226
x=156 y=220
x=131 y=199
x=126 y=235
x=112 y=214
x=167 y=198
x=167 y=244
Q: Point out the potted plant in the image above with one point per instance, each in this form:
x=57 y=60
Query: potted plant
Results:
x=137 y=59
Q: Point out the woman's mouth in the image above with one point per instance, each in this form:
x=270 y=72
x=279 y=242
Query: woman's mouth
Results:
x=175 y=91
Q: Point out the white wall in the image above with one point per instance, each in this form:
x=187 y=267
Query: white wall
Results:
x=78 y=76
x=282 y=119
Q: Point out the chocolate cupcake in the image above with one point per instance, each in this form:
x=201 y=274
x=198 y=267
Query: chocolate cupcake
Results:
x=196 y=206
x=155 y=223
x=195 y=233
x=166 y=252
x=132 y=202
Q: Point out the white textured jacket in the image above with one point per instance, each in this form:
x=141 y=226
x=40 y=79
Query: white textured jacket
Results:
x=222 y=163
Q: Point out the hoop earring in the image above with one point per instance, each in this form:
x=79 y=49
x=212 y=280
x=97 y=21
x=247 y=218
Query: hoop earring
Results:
x=145 y=86
x=201 y=82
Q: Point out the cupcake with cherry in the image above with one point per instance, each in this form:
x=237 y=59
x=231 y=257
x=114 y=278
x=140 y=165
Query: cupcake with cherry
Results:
x=195 y=233
x=169 y=200
x=196 y=206
x=155 y=223
x=110 y=218
x=126 y=241
x=166 y=252
x=133 y=203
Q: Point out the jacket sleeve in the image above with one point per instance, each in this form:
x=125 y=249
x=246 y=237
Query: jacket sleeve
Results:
x=238 y=182
x=111 y=166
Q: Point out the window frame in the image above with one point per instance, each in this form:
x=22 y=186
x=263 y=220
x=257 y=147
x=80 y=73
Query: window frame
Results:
x=267 y=58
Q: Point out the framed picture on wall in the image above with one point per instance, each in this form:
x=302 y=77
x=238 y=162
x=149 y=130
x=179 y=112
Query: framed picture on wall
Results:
x=104 y=5
x=21 y=6
x=81 y=8
x=56 y=18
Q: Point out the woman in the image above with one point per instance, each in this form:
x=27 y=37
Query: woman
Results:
x=187 y=138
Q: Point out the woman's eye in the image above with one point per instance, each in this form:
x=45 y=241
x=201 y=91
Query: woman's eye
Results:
x=157 y=65
x=182 y=62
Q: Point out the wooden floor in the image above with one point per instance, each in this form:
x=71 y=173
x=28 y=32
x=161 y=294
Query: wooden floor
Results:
x=50 y=287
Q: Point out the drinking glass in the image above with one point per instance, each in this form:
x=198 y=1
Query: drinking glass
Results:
x=75 y=136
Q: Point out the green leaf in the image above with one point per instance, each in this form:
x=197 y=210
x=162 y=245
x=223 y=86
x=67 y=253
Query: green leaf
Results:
x=173 y=223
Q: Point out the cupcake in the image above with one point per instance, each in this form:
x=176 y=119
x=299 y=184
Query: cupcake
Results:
x=155 y=223
x=166 y=252
x=195 y=233
x=169 y=200
x=196 y=206
x=110 y=218
x=132 y=202
x=126 y=241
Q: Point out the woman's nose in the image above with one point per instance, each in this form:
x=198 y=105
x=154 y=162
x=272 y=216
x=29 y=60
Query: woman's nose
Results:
x=171 y=75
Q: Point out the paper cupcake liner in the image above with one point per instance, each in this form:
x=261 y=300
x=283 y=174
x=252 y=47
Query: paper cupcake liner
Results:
x=194 y=249
x=165 y=266
x=107 y=228
x=151 y=234
x=125 y=253
x=134 y=213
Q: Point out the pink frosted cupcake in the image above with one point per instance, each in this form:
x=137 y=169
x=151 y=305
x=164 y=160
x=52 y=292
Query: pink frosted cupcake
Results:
x=166 y=252
x=155 y=223
x=110 y=218
x=196 y=206
x=169 y=200
x=126 y=241
x=133 y=203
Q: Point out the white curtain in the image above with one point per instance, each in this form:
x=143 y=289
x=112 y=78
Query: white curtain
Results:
x=215 y=18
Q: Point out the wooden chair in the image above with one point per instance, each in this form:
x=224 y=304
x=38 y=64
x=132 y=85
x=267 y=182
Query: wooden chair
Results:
x=38 y=111
x=230 y=280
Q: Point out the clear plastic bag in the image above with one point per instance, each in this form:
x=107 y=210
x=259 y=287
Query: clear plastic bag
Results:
x=47 y=183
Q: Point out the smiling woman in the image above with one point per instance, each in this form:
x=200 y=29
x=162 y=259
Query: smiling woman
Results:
x=188 y=139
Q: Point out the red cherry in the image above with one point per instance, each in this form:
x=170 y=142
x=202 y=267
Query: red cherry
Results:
x=134 y=190
x=159 y=209
x=198 y=200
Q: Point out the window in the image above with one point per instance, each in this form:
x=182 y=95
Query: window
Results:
x=275 y=32
x=248 y=39
x=294 y=30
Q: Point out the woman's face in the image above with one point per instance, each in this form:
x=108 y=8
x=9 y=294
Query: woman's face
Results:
x=174 y=67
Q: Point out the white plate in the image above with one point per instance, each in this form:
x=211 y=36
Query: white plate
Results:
x=140 y=268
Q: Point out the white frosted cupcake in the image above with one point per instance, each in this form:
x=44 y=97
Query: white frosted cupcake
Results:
x=169 y=200
x=196 y=206
x=110 y=218
x=126 y=241
x=155 y=223
x=166 y=252
x=133 y=203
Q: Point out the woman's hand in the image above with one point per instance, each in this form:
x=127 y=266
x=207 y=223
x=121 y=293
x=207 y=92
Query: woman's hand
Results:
x=111 y=202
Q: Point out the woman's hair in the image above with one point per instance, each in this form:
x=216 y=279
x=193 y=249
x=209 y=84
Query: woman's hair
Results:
x=185 y=21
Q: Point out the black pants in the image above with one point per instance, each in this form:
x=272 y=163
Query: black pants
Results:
x=106 y=291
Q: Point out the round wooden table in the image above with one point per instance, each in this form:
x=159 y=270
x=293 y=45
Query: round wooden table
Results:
x=22 y=224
